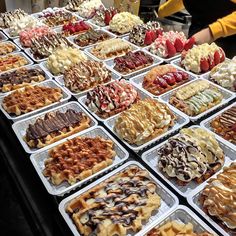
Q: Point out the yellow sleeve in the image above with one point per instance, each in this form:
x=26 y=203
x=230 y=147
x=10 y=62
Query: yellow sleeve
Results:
x=170 y=7
x=224 y=27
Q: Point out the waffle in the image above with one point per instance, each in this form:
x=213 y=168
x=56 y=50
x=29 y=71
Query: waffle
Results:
x=110 y=99
x=225 y=124
x=6 y=48
x=144 y=121
x=161 y=79
x=218 y=198
x=91 y=37
x=196 y=97
x=111 y=48
x=116 y=206
x=55 y=126
x=175 y=228
x=43 y=46
x=132 y=61
x=188 y=157
x=86 y=75
x=72 y=5
x=77 y=159
x=12 y=61
x=30 y=98
x=20 y=78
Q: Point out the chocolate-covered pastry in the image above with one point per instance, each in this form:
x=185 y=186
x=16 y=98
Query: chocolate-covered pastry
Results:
x=7 y=18
x=20 y=78
x=55 y=126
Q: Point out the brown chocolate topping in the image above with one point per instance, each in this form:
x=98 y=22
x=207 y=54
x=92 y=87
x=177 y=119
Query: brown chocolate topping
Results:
x=228 y=118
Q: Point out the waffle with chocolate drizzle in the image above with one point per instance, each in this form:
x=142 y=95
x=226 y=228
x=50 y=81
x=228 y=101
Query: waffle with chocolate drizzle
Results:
x=55 y=126
x=78 y=158
x=116 y=206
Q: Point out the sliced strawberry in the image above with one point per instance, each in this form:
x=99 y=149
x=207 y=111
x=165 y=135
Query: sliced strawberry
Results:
x=153 y=35
x=113 y=12
x=159 y=32
x=148 y=38
x=170 y=48
x=107 y=17
x=162 y=83
x=84 y=25
x=179 y=46
x=217 y=57
x=204 y=65
x=189 y=43
x=222 y=55
x=170 y=79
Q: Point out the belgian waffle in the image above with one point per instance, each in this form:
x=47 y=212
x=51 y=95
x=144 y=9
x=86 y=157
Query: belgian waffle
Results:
x=225 y=124
x=6 y=48
x=30 y=98
x=175 y=228
x=78 y=158
x=55 y=126
x=111 y=48
x=188 y=157
x=116 y=206
x=12 y=61
x=20 y=78
x=196 y=97
x=85 y=75
x=218 y=198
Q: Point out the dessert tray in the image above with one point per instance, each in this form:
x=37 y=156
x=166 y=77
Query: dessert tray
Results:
x=20 y=127
x=196 y=198
x=225 y=126
x=183 y=216
x=167 y=200
x=179 y=121
x=21 y=77
x=133 y=63
x=7 y=48
x=48 y=84
x=226 y=96
x=3 y=37
x=38 y=161
x=153 y=156
x=139 y=79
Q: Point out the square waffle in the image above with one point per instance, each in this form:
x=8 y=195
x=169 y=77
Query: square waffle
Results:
x=12 y=61
x=6 y=48
x=30 y=98
x=77 y=159
x=116 y=206
x=20 y=78
x=55 y=126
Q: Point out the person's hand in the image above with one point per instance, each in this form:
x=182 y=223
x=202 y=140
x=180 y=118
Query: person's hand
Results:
x=203 y=36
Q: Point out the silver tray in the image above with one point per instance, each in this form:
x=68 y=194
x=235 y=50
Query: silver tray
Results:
x=168 y=200
x=4 y=37
x=181 y=214
x=7 y=33
x=21 y=126
x=227 y=96
x=48 y=83
x=30 y=62
x=17 y=49
x=150 y=157
x=181 y=120
x=82 y=101
x=38 y=159
x=206 y=124
x=156 y=61
x=88 y=51
x=138 y=81
x=193 y=200
x=60 y=80
x=35 y=66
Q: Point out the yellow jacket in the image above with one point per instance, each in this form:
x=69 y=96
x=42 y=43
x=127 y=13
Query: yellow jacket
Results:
x=223 y=27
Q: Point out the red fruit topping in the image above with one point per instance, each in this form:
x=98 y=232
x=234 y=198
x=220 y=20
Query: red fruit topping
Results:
x=163 y=83
x=170 y=48
x=170 y=79
x=204 y=65
x=217 y=57
x=113 y=12
x=222 y=58
x=178 y=76
x=148 y=38
x=179 y=46
x=211 y=62
x=189 y=43
x=84 y=25
x=153 y=34
x=107 y=17
x=159 y=32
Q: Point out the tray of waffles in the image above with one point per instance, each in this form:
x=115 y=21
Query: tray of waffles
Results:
x=80 y=158
x=7 y=47
x=166 y=157
x=22 y=77
x=150 y=200
x=215 y=200
x=27 y=101
x=181 y=221
x=41 y=131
